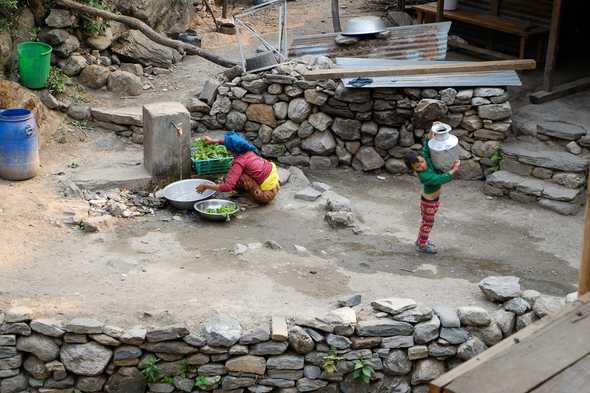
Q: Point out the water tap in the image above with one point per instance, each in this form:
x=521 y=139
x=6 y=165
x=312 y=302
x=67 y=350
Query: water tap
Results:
x=177 y=127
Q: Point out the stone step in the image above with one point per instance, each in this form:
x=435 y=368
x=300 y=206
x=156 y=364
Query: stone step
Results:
x=541 y=155
x=529 y=190
x=129 y=116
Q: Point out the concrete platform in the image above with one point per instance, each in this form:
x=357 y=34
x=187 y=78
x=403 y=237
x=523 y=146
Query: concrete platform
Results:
x=113 y=175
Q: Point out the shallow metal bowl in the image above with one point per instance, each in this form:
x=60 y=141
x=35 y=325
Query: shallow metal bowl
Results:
x=201 y=208
x=364 y=25
x=182 y=194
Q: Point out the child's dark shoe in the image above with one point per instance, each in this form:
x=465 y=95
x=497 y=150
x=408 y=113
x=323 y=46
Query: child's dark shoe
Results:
x=427 y=249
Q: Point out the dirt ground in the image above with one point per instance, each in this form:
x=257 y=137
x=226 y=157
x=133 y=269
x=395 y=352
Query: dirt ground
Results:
x=174 y=267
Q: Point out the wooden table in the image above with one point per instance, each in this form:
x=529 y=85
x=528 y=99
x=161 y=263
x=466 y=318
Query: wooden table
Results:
x=522 y=30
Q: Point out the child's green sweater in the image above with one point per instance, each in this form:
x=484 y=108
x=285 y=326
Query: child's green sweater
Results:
x=431 y=178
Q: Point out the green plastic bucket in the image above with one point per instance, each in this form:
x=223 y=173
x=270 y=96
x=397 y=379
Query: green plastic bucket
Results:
x=34 y=62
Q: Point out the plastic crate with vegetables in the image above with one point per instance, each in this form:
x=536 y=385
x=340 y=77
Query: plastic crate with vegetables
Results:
x=210 y=159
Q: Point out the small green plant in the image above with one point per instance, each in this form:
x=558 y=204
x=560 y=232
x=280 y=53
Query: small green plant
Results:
x=497 y=159
x=34 y=33
x=94 y=25
x=168 y=380
x=56 y=83
x=185 y=369
x=363 y=371
x=152 y=372
x=201 y=382
x=330 y=361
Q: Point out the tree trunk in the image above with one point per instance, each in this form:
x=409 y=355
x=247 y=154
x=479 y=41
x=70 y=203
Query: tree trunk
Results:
x=134 y=23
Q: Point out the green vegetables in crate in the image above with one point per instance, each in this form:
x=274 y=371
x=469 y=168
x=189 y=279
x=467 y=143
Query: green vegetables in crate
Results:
x=203 y=151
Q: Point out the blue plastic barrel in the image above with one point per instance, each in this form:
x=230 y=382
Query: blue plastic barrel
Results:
x=19 y=144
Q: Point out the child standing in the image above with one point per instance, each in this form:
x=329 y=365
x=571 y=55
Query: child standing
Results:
x=432 y=180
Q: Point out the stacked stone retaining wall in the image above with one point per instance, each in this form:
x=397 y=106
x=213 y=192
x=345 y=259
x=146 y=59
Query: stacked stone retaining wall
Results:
x=404 y=344
x=325 y=125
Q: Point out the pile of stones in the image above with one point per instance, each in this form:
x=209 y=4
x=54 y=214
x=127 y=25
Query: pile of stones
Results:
x=405 y=344
x=323 y=124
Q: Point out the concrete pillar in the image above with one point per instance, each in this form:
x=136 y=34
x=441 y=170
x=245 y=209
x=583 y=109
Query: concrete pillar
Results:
x=164 y=149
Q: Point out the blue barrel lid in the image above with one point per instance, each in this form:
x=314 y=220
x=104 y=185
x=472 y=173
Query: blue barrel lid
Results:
x=15 y=114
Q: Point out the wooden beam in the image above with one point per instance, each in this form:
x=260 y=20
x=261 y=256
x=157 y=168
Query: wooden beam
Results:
x=565 y=89
x=336 y=16
x=584 y=284
x=440 y=10
x=481 y=52
x=425 y=69
x=552 y=46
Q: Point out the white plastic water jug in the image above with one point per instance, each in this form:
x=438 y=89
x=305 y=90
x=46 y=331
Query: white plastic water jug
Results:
x=444 y=148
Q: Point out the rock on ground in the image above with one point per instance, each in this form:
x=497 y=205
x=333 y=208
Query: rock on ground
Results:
x=222 y=330
x=125 y=83
x=500 y=288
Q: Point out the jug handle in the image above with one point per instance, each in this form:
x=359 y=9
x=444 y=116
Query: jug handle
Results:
x=28 y=130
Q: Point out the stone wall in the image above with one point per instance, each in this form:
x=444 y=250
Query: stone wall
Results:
x=405 y=344
x=324 y=125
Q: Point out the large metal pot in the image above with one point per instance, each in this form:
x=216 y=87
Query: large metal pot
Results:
x=444 y=147
x=183 y=194
x=364 y=25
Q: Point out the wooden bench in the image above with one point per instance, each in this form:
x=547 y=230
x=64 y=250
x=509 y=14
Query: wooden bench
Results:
x=523 y=30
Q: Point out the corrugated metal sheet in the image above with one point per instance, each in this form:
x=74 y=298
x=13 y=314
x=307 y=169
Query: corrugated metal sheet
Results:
x=498 y=78
x=417 y=42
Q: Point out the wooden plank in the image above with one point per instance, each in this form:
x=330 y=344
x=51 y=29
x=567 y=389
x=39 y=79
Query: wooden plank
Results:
x=552 y=46
x=440 y=10
x=584 y=284
x=482 y=52
x=530 y=363
x=499 y=65
x=563 y=90
x=336 y=16
x=503 y=346
x=573 y=379
x=482 y=20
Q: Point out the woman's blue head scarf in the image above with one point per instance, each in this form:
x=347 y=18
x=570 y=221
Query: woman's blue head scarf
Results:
x=236 y=144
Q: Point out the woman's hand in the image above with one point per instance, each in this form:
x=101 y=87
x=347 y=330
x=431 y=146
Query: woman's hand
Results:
x=455 y=168
x=202 y=187
x=208 y=140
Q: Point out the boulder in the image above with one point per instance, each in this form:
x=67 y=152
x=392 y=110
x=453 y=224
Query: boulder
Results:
x=387 y=138
x=169 y=16
x=425 y=332
x=347 y=129
x=125 y=83
x=67 y=47
x=315 y=97
x=394 y=306
x=85 y=359
x=397 y=363
x=73 y=65
x=447 y=315
x=500 y=288
x=90 y=384
x=300 y=340
x=427 y=370
x=285 y=131
x=79 y=112
x=247 y=364
x=126 y=380
x=429 y=110
x=235 y=120
x=548 y=305
x=473 y=316
x=384 y=327
x=320 y=121
x=94 y=76
x=281 y=110
x=319 y=143
x=517 y=305
x=495 y=111
x=102 y=41
x=134 y=45
x=470 y=348
x=42 y=347
x=454 y=335
x=15 y=384
x=222 y=330
x=298 y=110
x=367 y=159
x=261 y=113
x=59 y=18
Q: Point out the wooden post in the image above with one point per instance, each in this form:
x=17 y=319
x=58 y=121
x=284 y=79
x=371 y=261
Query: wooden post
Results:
x=224 y=9
x=552 y=46
x=440 y=10
x=336 y=16
x=584 y=284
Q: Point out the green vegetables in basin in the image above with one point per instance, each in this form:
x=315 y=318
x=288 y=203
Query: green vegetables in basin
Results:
x=225 y=209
